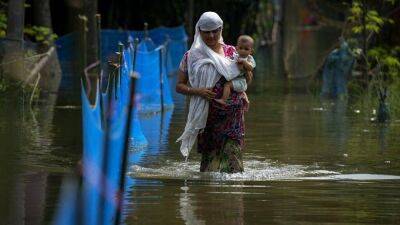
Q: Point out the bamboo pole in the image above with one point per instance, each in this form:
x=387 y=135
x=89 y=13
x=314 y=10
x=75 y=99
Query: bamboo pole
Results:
x=126 y=139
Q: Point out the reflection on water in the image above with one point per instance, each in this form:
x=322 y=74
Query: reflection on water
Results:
x=32 y=150
x=187 y=208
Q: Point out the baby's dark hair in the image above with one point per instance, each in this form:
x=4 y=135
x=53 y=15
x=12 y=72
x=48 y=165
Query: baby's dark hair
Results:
x=245 y=39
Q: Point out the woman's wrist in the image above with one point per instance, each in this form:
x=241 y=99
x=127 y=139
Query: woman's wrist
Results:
x=191 y=90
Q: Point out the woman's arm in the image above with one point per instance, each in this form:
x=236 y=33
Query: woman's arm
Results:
x=182 y=87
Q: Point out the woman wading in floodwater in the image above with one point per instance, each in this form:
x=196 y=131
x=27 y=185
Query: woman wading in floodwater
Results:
x=202 y=73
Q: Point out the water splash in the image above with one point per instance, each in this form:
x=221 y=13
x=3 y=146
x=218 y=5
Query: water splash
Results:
x=255 y=170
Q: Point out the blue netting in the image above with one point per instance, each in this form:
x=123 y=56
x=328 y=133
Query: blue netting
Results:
x=117 y=127
x=103 y=154
x=152 y=87
x=175 y=38
x=105 y=123
x=92 y=159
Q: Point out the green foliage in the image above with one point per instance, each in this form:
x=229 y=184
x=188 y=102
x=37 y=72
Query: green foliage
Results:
x=4 y=84
x=3 y=19
x=373 y=20
x=383 y=63
x=40 y=34
x=3 y=24
x=386 y=60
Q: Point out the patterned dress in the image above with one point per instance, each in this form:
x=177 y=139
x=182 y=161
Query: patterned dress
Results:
x=222 y=140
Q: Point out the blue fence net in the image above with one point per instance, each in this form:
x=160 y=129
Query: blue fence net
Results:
x=174 y=39
x=105 y=123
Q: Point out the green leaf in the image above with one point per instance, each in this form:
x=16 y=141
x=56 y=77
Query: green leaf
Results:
x=357 y=29
x=373 y=28
x=391 y=61
x=39 y=38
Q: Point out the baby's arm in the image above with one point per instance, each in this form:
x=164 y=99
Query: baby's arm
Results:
x=249 y=77
x=250 y=64
x=247 y=66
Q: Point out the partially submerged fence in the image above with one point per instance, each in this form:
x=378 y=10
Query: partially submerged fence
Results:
x=111 y=126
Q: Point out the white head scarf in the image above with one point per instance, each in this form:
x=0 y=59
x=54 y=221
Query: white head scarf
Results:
x=208 y=21
x=205 y=68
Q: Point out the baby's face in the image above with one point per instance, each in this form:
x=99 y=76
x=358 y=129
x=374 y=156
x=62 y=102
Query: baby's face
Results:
x=244 y=49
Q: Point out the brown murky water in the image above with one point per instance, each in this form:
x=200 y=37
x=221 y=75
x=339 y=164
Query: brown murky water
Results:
x=307 y=161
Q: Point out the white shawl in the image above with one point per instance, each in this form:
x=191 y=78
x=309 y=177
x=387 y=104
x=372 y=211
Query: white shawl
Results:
x=205 y=68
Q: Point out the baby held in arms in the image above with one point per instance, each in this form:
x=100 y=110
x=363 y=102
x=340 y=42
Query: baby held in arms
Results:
x=246 y=65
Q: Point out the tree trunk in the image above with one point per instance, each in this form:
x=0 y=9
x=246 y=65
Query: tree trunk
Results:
x=364 y=41
x=190 y=18
x=42 y=13
x=50 y=73
x=15 y=22
x=13 y=57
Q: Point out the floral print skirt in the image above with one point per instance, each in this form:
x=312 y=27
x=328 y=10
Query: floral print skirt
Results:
x=228 y=159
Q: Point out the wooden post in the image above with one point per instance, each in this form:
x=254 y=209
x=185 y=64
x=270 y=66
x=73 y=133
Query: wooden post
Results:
x=83 y=30
x=120 y=62
x=146 y=30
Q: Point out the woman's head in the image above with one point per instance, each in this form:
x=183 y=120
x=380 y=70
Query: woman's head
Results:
x=210 y=28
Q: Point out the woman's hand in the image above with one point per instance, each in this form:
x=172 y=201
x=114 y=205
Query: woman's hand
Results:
x=206 y=93
x=183 y=88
